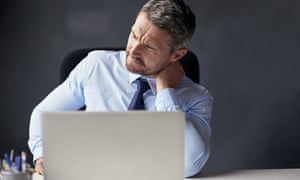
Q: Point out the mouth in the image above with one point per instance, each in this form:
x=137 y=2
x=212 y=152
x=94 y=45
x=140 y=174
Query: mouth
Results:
x=136 y=60
x=139 y=61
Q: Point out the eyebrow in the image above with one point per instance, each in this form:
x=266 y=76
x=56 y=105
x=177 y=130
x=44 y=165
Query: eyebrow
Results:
x=145 y=44
x=132 y=31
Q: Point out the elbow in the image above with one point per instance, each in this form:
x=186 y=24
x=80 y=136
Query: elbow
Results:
x=195 y=162
x=197 y=149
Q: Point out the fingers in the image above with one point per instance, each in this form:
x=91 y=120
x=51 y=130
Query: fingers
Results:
x=39 y=168
x=170 y=76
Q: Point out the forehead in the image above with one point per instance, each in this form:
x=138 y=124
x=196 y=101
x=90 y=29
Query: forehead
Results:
x=146 y=29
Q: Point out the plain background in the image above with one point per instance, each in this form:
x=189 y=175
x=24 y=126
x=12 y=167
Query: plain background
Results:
x=249 y=54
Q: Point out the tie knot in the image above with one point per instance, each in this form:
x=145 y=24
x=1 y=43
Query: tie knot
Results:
x=142 y=85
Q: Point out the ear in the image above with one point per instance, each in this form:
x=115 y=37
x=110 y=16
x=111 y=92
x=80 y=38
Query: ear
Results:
x=178 y=54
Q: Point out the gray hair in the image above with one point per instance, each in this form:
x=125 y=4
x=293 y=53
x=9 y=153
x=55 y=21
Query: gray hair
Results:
x=173 y=16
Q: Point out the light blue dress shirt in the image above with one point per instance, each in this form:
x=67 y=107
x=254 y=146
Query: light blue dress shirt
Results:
x=102 y=83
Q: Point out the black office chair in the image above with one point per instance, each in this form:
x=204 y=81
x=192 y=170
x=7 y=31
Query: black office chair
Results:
x=189 y=62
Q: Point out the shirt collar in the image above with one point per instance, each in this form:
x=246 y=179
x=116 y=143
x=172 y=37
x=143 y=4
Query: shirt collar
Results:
x=133 y=77
x=151 y=81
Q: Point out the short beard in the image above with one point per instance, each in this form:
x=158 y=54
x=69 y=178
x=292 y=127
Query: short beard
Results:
x=132 y=69
x=142 y=71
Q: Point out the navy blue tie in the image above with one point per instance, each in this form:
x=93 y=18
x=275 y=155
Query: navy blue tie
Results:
x=137 y=101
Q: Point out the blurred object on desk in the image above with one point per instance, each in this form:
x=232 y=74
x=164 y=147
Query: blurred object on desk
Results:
x=37 y=176
x=12 y=175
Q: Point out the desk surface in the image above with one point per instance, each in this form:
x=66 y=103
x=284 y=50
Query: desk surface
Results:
x=257 y=174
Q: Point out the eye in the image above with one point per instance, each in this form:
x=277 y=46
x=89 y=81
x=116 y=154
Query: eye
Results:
x=133 y=35
x=149 y=47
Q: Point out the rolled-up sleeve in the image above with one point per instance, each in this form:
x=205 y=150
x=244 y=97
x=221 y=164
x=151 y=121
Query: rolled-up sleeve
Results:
x=197 y=129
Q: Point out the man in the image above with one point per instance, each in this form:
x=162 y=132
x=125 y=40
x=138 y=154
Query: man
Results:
x=106 y=80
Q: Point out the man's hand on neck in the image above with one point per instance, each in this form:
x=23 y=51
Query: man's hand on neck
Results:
x=170 y=76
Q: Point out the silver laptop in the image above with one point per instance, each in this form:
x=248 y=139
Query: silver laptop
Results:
x=134 y=145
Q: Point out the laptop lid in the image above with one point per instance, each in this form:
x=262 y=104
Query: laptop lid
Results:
x=135 y=145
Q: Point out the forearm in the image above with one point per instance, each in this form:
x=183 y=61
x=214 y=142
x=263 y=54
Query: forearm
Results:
x=35 y=135
x=166 y=100
x=197 y=129
x=59 y=99
x=197 y=149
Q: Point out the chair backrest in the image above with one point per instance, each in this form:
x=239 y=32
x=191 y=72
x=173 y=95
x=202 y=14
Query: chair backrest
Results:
x=189 y=62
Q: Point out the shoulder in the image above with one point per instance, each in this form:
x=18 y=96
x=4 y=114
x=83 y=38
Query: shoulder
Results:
x=105 y=53
x=99 y=62
x=99 y=59
x=194 y=90
x=97 y=56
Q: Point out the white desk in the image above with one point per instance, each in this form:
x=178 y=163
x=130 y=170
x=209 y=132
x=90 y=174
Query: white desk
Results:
x=258 y=174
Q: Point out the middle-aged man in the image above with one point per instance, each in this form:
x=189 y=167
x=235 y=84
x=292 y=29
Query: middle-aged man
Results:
x=107 y=80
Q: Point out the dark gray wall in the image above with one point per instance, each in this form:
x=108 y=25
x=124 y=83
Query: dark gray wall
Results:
x=249 y=53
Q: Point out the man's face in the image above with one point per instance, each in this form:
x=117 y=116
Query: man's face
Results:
x=148 y=48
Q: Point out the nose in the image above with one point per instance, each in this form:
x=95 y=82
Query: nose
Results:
x=136 y=48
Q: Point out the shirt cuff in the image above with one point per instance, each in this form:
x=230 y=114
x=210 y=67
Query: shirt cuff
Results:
x=166 y=100
x=38 y=153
